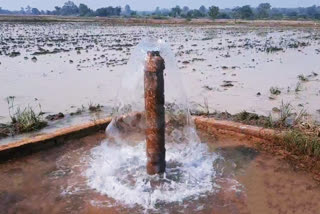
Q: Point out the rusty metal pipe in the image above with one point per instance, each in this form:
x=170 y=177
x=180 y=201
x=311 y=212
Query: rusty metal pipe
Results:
x=155 y=113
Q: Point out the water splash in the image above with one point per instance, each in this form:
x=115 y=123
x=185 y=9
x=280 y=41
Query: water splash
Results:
x=117 y=167
x=120 y=173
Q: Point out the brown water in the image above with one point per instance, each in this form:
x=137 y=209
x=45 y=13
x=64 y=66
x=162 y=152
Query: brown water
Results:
x=53 y=182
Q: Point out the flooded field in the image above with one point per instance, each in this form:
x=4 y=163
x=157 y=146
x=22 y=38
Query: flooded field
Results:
x=65 y=67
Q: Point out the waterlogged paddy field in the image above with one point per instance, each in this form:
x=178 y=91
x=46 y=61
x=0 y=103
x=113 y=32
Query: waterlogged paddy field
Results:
x=64 y=67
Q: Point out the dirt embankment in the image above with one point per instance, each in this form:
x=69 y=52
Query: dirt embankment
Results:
x=164 y=21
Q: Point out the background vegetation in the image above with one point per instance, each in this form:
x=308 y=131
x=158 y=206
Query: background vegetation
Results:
x=263 y=11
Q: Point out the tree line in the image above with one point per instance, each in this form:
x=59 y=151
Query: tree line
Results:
x=263 y=11
x=70 y=9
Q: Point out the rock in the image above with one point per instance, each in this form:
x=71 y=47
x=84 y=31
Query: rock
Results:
x=34 y=59
x=275 y=109
x=208 y=88
x=258 y=94
x=14 y=54
x=227 y=84
x=53 y=117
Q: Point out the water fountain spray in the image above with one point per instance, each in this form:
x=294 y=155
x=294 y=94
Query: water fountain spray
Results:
x=152 y=126
x=155 y=113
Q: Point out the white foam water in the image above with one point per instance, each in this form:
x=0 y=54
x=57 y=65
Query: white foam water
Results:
x=120 y=173
x=117 y=167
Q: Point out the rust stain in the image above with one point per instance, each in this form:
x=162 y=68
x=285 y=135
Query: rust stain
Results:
x=155 y=113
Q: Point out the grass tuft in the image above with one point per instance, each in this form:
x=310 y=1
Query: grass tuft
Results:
x=275 y=91
x=300 y=143
x=298 y=87
x=24 y=120
x=94 y=107
x=303 y=78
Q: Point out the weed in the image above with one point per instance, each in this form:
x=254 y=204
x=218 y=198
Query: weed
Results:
x=79 y=111
x=244 y=115
x=273 y=49
x=24 y=120
x=299 y=117
x=94 y=107
x=275 y=91
x=206 y=106
x=269 y=122
x=285 y=112
x=298 y=87
x=303 y=78
x=301 y=143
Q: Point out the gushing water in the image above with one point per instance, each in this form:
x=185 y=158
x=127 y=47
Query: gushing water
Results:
x=120 y=173
x=117 y=167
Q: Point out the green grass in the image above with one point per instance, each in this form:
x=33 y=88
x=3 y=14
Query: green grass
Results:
x=300 y=143
x=244 y=115
x=24 y=120
x=285 y=113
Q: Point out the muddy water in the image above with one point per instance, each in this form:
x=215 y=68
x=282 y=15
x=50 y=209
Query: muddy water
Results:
x=81 y=63
x=251 y=182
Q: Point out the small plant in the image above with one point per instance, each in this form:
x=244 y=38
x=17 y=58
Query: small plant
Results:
x=78 y=111
x=269 y=122
x=303 y=78
x=285 y=113
x=298 y=87
x=94 y=107
x=273 y=49
x=301 y=143
x=24 y=120
x=242 y=115
x=298 y=119
x=275 y=91
x=206 y=106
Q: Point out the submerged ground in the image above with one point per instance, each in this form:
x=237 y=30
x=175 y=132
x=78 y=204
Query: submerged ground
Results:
x=65 y=67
